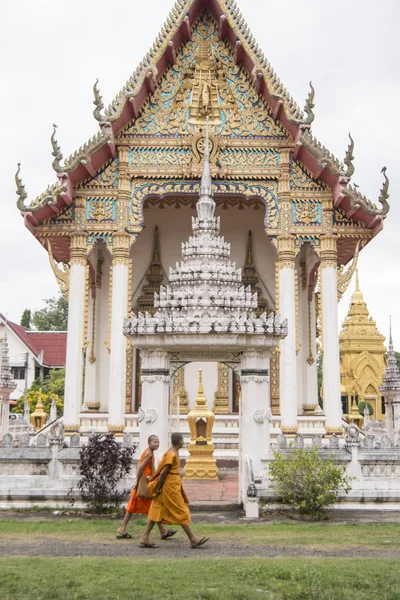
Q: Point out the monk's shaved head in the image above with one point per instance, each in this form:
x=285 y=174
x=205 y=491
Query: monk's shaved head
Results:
x=176 y=438
x=151 y=438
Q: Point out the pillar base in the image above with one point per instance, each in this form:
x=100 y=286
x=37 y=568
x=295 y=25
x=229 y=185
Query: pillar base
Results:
x=220 y=410
x=308 y=409
x=93 y=406
x=70 y=429
x=117 y=430
x=331 y=430
x=289 y=429
x=252 y=508
x=201 y=463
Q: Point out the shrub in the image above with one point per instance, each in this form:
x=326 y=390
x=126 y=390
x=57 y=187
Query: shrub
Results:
x=103 y=464
x=307 y=482
x=363 y=405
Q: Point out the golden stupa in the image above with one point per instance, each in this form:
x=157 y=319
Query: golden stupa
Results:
x=201 y=463
x=362 y=358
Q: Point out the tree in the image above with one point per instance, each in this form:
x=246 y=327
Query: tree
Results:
x=33 y=399
x=53 y=384
x=307 y=482
x=398 y=359
x=26 y=319
x=54 y=317
x=104 y=462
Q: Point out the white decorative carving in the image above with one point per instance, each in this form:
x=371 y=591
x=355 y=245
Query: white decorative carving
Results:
x=154 y=378
x=261 y=415
x=206 y=294
x=254 y=378
x=149 y=415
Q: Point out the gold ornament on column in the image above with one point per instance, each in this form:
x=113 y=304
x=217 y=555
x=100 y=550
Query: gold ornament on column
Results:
x=221 y=397
x=201 y=463
x=180 y=392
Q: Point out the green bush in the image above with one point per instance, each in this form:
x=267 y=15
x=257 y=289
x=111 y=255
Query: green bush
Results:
x=307 y=482
x=362 y=406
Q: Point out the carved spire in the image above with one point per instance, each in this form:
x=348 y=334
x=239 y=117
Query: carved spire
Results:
x=58 y=156
x=357 y=297
x=250 y=278
x=98 y=103
x=308 y=108
x=154 y=276
x=391 y=379
x=206 y=204
x=21 y=193
x=7 y=384
x=349 y=157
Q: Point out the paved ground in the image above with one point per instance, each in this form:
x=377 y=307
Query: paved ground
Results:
x=226 y=489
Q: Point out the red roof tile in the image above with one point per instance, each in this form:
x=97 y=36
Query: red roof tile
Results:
x=53 y=343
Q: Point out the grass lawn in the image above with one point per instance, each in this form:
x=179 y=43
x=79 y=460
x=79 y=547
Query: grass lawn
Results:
x=312 y=535
x=198 y=579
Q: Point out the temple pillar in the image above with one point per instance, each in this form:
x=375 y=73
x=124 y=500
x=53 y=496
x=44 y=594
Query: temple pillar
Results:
x=179 y=392
x=311 y=368
x=153 y=413
x=330 y=336
x=75 y=338
x=90 y=401
x=119 y=307
x=221 y=396
x=389 y=415
x=255 y=415
x=287 y=310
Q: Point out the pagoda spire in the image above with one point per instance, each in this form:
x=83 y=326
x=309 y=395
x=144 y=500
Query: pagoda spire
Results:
x=390 y=334
x=206 y=204
x=7 y=384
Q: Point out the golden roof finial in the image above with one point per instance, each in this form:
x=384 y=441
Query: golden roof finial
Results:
x=357 y=297
x=201 y=400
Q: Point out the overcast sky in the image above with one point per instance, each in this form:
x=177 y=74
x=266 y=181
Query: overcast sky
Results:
x=53 y=50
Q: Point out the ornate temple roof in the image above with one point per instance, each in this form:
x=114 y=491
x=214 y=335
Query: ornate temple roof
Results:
x=359 y=331
x=391 y=379
x=126 y=106
x=205 y=292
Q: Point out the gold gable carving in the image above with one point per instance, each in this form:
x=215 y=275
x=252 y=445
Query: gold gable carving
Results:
x=106 y=178
x=206 y=82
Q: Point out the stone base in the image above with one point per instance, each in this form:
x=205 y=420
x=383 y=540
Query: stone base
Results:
x=201 y=463
x=289 y=429
x=93 y=406
x=308 y=409
x=252 y=508
x=221 y=410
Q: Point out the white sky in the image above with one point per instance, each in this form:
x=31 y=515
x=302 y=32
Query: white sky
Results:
x=53 y=50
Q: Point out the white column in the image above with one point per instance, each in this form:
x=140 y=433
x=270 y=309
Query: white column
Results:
x=153 y=413
x=330 y=336
x=287 y=310
x=396 y=419
x=389 y=414
x=255 y=415
x=76 y=317
x=312 y=374
x=4 y=414
x=119 y=307
x=90 y=401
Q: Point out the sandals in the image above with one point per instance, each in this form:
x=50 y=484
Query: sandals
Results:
x=202 y=541
x=124 y=536
x=170 y=533
x=141 y=545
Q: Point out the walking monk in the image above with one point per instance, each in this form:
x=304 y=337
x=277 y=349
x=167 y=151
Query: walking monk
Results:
x=169 y=499
x=141 y=506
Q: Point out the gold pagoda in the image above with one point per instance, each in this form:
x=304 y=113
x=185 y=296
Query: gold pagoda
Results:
x=201 y=463
x=362 y=358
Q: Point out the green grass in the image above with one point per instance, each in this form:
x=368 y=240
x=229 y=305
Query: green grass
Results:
x=198 y=579
x=312 y=535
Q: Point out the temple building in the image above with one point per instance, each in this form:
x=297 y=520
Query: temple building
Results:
x=126 y=208
x=362 y=357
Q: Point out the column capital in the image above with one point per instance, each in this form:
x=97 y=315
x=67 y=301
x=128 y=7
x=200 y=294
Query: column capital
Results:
x=78 y=250
x=120 y=249
x=286 y=251
x=328 y=251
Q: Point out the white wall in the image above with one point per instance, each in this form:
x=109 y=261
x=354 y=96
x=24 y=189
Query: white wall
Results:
x=17 y=353
x=210 y=381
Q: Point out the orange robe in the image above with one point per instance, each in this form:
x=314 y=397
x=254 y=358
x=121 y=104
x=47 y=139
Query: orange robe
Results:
x=170 y=506
x=141 y=506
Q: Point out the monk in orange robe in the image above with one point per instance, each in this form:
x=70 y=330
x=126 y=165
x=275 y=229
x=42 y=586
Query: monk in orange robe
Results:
x=141 y=506
x=169 y=499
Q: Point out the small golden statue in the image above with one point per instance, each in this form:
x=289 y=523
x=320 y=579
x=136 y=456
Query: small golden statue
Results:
x=201 y=463
x=39 y=416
